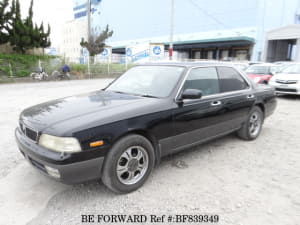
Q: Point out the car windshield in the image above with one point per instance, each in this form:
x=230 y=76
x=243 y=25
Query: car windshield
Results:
x=148 y=81
x=258 y=69
x=292 y=69
x=240 y=66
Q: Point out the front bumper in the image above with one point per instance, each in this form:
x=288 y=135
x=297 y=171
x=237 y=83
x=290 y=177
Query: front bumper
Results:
x=290 y=89
x=70 y=173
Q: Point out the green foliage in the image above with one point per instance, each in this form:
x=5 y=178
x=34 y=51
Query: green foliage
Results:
x=96 y=43
x=22 y=34
x=80 y=68
x=21 y=65
x=5 y=17
x=100 y=69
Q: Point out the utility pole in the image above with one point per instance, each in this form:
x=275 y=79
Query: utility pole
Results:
x=88 y=11
x=171 y=30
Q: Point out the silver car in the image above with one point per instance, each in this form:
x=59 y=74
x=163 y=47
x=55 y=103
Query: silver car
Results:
x=287 y=81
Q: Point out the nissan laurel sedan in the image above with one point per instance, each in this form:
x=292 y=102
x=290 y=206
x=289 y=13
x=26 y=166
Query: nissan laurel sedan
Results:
x=118 y=134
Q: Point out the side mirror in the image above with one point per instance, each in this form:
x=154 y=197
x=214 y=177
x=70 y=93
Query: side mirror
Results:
x=191 y=94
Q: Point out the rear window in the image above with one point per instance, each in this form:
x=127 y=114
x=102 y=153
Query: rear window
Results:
x=230 y=80
x=258 y=69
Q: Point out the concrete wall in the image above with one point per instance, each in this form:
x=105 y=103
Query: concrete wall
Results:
x=7 y=49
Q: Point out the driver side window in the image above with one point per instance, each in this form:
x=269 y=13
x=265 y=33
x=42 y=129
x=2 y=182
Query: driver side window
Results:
x=204 y=79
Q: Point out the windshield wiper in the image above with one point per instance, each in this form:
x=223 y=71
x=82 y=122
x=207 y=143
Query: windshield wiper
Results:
x=121 y=92
x=136 y=94
x=148 y=96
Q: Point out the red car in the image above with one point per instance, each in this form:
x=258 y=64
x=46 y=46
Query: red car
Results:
x=262 y=73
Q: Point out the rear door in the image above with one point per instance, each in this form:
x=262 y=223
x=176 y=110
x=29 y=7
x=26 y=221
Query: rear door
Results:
x=237 y=96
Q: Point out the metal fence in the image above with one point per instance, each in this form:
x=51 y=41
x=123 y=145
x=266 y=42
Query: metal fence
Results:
x=80 y=68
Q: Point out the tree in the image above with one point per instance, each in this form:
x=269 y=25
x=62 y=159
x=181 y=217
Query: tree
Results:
x=96 y=43
x=19 y=34
x=44 y=36
x=5 y=17
x=25 y=35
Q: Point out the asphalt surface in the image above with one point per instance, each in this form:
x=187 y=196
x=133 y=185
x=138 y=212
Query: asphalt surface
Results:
x=255 y=182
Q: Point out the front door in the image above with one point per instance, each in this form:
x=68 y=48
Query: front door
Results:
x=199 y=119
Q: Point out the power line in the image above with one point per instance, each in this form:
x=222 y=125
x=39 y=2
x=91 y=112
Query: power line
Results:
x=208 y=14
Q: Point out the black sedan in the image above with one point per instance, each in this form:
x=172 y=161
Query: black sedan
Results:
x=120 y=133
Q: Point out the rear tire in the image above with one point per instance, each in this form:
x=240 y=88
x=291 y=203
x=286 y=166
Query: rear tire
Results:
x=252 y=127
x=128 y=164
x=55 y=75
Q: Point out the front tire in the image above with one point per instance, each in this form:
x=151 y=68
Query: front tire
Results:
x=33 y=76
x=252 y=127
x=128 y=164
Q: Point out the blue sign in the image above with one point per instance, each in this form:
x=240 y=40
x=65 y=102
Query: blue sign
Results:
x=129 y=52
x=80 y=14
x=156 y=50
x=105 y=52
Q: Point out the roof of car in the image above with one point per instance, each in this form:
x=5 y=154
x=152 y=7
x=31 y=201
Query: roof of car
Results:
x=265 y=64
x=190 y=64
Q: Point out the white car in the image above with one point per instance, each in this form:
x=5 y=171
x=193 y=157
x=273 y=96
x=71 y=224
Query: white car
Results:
x=287 y=81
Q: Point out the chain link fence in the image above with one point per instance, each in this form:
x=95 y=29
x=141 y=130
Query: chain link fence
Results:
x=81 y=68
x=16 y=70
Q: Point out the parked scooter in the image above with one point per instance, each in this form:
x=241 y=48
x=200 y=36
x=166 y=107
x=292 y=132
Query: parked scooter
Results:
x=40 y=75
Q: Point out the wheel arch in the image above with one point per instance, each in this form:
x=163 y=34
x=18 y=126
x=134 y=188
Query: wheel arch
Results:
x=261 y=106
x=150 y=137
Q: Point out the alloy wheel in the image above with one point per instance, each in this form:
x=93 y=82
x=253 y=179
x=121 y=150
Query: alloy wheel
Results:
x=132 y=165
x=254 y=124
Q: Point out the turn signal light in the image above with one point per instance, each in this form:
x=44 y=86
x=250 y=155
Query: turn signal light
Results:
x=96 y=143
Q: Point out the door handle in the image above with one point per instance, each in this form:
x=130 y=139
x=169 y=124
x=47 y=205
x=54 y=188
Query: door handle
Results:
x=215 y=103
x=250 y=96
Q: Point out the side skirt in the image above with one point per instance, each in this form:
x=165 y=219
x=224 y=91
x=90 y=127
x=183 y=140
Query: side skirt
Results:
x=165 y=144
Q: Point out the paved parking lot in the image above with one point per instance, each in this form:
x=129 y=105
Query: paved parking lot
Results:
x=245 y=183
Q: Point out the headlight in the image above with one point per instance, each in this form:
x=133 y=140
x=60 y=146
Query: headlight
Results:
x=256 y=79
x=60 y=144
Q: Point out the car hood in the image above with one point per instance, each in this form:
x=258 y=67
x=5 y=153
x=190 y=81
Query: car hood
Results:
x=282 y=76
x=64 y=116
x=261 y=76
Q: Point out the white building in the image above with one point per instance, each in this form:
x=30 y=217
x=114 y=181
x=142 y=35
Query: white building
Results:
x=73 y=32
x=283 y=44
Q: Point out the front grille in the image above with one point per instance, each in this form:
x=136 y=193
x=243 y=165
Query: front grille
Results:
x=286 y=89
x=30 y=133
x=286 y=81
